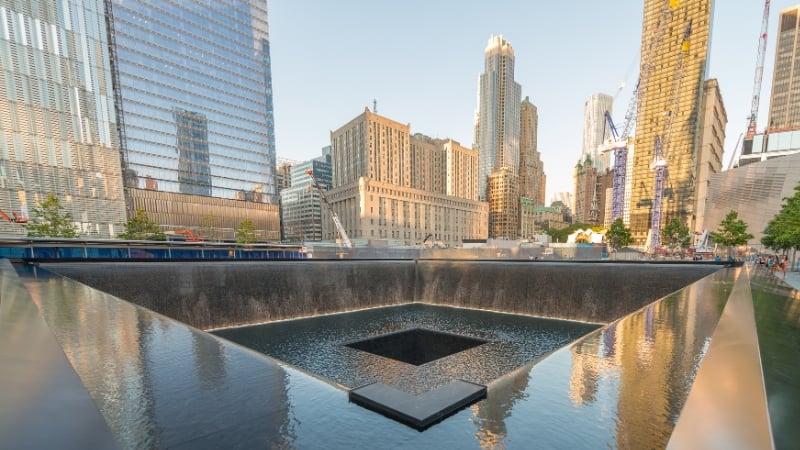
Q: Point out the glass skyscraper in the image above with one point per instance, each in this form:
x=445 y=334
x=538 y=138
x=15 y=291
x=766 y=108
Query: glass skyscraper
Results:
x=195 y=105
x=57 y=124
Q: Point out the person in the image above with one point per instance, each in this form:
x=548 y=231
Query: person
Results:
x=784 y=265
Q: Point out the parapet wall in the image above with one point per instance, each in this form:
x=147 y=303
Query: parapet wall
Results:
x=210 y=295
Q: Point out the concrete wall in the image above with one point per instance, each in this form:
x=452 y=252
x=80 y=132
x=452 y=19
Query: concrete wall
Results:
x=222 y=294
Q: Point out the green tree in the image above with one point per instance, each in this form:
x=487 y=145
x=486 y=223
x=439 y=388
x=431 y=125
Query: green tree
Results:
x=141 y=228
x=732 y=231
x=562 y=234
x=246 y=233
x=208 y=228
x=618 y=235
x=783 y=231
x=676 y=235
x=50 y=220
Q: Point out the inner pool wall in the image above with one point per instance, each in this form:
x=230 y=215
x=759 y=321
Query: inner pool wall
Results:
x=210 y=295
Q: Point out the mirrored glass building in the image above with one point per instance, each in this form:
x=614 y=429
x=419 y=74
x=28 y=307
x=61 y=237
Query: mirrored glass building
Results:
x=58 y=131
x=195 y=111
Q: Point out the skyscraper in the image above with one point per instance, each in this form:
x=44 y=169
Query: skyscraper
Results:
x=194 y=100
x=57 y=125
x=531 y=169
x=668 y=109
x=784 y=114
x=497 y=132
x=596 y=129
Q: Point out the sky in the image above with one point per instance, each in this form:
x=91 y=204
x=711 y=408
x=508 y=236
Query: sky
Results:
x=420 y=60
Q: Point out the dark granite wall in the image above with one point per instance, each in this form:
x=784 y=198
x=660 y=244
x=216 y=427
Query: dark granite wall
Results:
x=592 y=292
x=222 y=294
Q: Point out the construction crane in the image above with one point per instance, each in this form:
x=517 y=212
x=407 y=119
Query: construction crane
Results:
x=619 y=143
x=342 y=234
x=662 y=142
x=762 y=50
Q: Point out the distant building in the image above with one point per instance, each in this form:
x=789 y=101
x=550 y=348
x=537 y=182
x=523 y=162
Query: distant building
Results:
x=596 y=130
x=549 y=217
x=302 y=208
x=498 y=133
x=784 y=104
x=379 y=172
x=283 y=176
x=532 y=179
x=711 y=131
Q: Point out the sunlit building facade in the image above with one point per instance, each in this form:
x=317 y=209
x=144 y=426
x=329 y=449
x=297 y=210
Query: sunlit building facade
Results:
x=57 y=125
x=195 y=110
x=784 y=114
x=668 y=109
x=532 y=179
x=596 y=129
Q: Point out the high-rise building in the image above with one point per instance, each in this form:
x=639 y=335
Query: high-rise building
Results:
x=497 y=140
x=596 y=129
x=784 y=110
x=301 y=202
x=57 y=124
x=713 y=120
x=532 y=179
x=390 y=185
x=668 y=109
x=497 y=130
x=194 y=110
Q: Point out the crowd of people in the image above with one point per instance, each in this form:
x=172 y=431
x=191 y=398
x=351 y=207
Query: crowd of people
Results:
x=774 y=263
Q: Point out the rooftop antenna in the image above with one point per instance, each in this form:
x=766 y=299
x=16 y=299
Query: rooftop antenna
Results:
x=375 y=106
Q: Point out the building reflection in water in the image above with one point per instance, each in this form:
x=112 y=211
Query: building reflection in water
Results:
x=128 y=358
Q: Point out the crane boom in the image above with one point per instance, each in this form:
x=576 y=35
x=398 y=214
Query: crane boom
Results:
x=762 y=50
x=620 y=146
x=661 y=145
x=342 y=234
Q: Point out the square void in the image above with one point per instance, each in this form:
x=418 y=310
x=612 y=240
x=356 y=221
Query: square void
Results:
x=416 y=346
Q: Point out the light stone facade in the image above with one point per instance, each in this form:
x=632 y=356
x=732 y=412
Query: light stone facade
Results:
x=712 y=145
x=389 y=184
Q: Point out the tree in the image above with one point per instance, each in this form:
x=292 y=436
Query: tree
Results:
x=676 y=235
x=141 y=228
x=618 y=235
x=50 y=220
x=246 y=233
x=732 y=231
x=783 y=231
x=208 y=228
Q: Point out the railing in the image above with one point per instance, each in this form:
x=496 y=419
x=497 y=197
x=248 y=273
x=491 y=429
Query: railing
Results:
x=48 y=250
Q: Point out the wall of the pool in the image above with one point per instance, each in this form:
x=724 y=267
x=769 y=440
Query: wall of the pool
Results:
x=224 y=294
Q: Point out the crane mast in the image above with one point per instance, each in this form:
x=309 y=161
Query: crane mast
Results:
x=661 y=145
x=762 y=50
x=342 y=234
x=620 y=141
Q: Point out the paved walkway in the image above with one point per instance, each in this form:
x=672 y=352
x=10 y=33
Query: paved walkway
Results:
x=792 y=279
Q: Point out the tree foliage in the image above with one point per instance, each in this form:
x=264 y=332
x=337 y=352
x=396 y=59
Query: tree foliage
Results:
x=50 y=220
x=618 y=235
x=246 y=233
x=783 y=231
x=208 y=228
x=676 y=235
x=141 y=228
x=732 y=231
x=562 y=234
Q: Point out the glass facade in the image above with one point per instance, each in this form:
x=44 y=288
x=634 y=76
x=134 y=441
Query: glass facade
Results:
x=196 y=97
x=57 y=124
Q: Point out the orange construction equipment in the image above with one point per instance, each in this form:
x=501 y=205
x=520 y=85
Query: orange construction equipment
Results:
x=190 y=237
x=19 y=217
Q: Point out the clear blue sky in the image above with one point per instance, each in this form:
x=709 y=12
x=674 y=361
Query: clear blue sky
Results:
x=420 y=59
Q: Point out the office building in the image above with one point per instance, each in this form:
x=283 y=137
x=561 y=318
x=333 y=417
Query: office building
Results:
x=668 y=109
x=194 y=110
x=497 y=132
x=596 y=130
x=383 y=190
x=57 y=125
x=713 y=120
x=784 y=113
x=532 y=179
x=302 y=207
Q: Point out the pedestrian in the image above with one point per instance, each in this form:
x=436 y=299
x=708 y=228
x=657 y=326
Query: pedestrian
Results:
x=784 y=265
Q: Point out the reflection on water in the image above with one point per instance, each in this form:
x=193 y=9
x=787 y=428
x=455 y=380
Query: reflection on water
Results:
x=161 y=384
